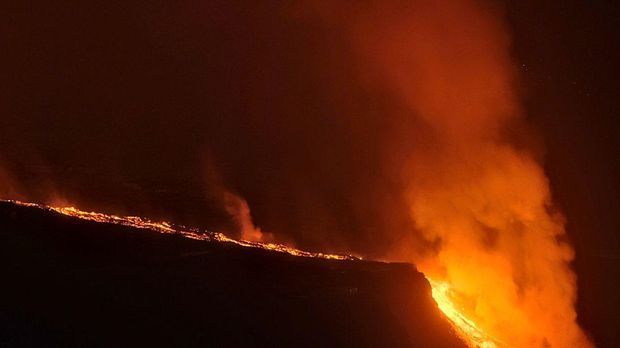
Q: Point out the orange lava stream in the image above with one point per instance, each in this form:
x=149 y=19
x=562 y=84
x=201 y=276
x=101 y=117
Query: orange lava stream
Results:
x=465 y=327
x=441 y=291
x=188 y=232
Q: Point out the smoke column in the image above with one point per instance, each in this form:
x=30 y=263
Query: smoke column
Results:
x=239 y=212
x=481 y=204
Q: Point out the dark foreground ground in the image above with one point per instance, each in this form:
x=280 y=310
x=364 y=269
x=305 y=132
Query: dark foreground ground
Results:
x=68 y=282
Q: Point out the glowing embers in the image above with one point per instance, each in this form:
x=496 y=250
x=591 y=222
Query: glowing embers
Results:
x=466 y=328
x=188 y=232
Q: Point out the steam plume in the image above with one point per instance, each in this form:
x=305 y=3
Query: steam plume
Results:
x=481 y=202
x=239 y=211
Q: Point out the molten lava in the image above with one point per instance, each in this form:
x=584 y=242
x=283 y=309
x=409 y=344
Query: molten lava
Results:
x=465 y=327
x=188 y=232
x=441 y=291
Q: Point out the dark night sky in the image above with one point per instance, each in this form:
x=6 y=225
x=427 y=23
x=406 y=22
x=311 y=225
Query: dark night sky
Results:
x=157 y=97
x=129 y=105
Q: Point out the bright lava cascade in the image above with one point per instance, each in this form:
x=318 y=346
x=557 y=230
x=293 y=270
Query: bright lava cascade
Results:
x=466 y=328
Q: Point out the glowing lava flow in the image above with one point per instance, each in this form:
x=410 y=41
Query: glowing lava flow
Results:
x=464 y=326
x=441 y=291
x=188 y=232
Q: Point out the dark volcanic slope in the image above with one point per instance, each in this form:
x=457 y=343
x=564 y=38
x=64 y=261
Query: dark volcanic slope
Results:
x=68 y=282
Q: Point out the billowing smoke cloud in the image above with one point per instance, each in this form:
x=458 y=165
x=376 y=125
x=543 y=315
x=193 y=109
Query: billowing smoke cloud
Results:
x=239 y=211
x=482 y=202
